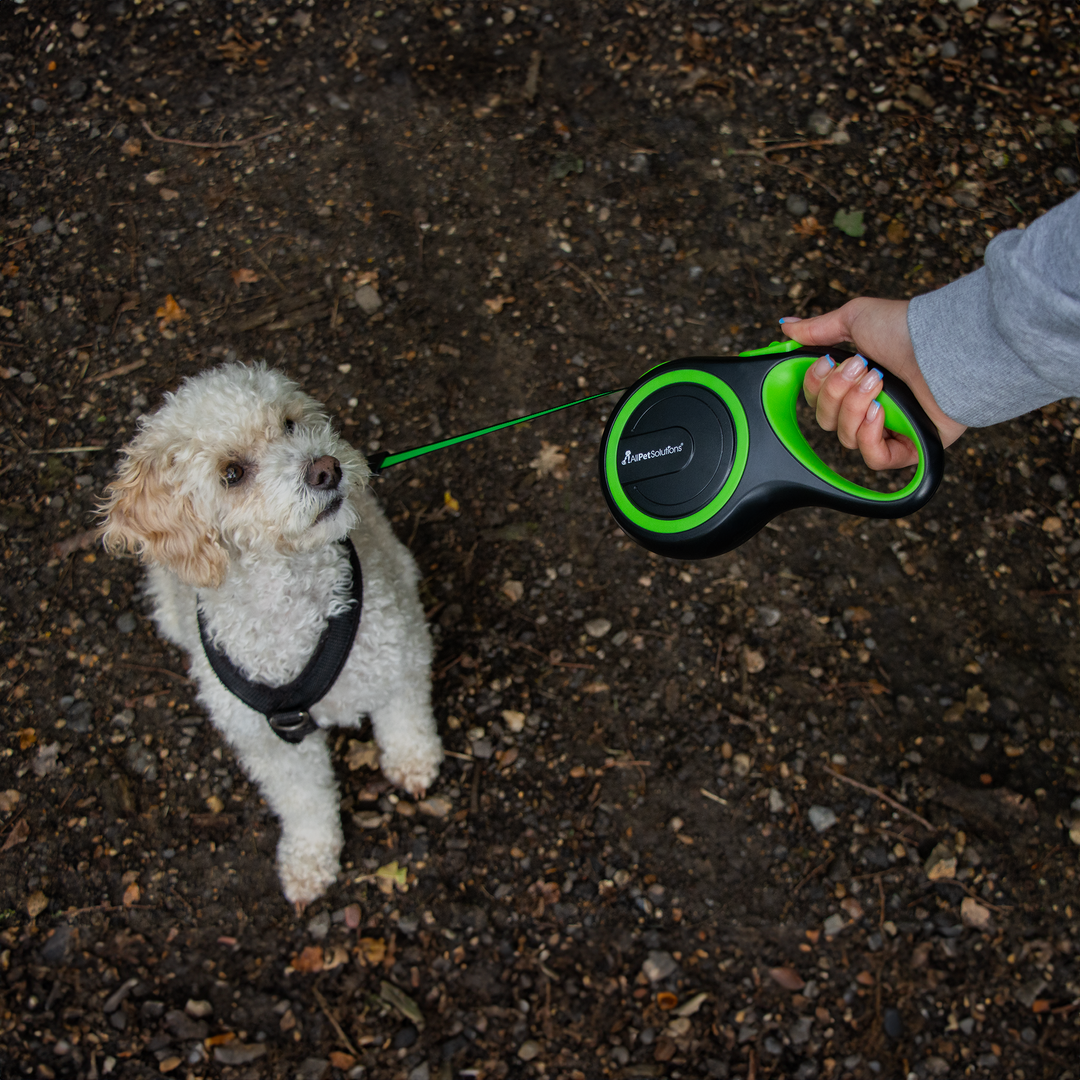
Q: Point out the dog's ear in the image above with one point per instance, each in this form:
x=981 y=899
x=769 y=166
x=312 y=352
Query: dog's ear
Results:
x=146 y=514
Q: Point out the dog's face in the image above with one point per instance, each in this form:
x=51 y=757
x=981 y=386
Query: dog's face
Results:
x=237 y=460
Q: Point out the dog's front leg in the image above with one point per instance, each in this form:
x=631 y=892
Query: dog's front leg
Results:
x=298 y=783
x=410 y=750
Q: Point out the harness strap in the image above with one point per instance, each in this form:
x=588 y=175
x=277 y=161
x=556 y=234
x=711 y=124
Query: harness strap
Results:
x=286 y=707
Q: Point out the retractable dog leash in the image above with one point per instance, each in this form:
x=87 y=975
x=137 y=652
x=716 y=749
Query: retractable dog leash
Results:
x=700 y=453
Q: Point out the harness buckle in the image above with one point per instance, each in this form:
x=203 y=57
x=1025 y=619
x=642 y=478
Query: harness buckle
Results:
x=293 y=726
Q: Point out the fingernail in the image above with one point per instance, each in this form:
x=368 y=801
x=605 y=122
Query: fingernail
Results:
x=870 y=380
x=853 y=367
x=871 y=412
x=790 y=319
x=823 y=366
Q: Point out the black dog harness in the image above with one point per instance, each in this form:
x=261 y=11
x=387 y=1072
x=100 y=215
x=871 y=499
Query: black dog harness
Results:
x=286 y=707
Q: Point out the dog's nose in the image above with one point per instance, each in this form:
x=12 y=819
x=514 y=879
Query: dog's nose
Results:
x=324 y=474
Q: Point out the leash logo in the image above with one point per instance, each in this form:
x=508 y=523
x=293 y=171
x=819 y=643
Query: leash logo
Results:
x=631 y=459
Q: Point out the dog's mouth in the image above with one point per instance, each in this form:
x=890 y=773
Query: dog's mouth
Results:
x=328 y=511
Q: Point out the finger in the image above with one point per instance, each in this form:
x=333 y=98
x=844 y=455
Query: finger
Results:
x=880 y=448
x=827 y=329
x=836 y=387
x=856 y=402
x=815 y=376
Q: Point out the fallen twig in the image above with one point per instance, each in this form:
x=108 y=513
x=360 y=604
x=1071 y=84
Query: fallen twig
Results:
x=715 y=798
x=813 y=873
x=210 y=145
x=157 y=670
x=882 y=796
x=599 y=292
x=123 y=369
x=70 y=450
x=317 y=994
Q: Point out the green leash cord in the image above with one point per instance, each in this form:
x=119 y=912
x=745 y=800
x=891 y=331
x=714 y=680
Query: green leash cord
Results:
x=382 y=460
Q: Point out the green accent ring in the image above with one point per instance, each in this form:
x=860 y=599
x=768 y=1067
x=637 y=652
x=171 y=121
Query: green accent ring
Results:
x=779 y=394
x=738 y=466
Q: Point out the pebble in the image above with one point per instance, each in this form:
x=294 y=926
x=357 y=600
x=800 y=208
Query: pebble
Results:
x=975 y=915
x=198 y=1008
x=338 y=102
x=777 y=802
x=79 y=30
x=319 y=926
x=597 y=627
x=55 y=950
x=978 y=740
x=39 y=105
x=42 y=225
x=740 y=764
x=405 y=1037
x=658 y=966
x=1066 y=175
x=183 y=1027
x=893 y=1023
x=797 y=207
x=126 y=623
x=820 y=124
x=421 y=1072
x=76 y=89
x=368 y=299
x=237 y=1053
x=834 y=924
x=528 y=1050
x=822 y=818
x=949 y=50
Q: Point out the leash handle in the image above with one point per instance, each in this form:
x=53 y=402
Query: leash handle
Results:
x=382 y=459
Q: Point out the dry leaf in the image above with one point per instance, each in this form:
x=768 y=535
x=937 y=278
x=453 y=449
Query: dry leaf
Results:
x=36 y=903
x=340 y=1060
x=371 y=950
x=550 y=462
x=692 y=1006
x=786 y=977
x=402 y=1002
x=170 y=312
x=244 y=276
x=339 y=956
x=9 y=269
x=897 y=232
x=362 y=755
x=18 y=835
x=131 y=147
x=308 y=961
x=131 y=895
x=451 y=503
x=135 y=106
x=595 y=688
x=809 y=226
x=976 y=700
x=495 y=304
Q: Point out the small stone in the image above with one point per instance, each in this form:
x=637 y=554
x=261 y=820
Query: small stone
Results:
x=740 y=764
x=238 y=1053
x=513 y=590
x=528 y=1050
x=1066 y=175
x=822 y=818
x=834 y=924
x=482 y=749
x=597 y=627
x=79 y=30
x=1074 y=831
x=658 y=966
x=820 y=124
x=338 y=102
x=777 y=802
x=404 y=1038
x=975 y=915
x=786 y=977
x=893 y=1023
x=76 y=89
x=421 y=1072
x=55 y=949
x=319 y=926
x=798 y=207
x=198 y=1008
x=979 y=741
x=941 y=863
x=183 y=1027
x=126 y=623
x=514 y=720
x=39 y=105
x=42 y=225
x=368 y=299
x=436 y=806
x=949 y=50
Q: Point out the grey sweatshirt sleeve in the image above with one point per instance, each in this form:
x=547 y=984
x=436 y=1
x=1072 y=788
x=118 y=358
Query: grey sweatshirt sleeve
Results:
x=1006 y=339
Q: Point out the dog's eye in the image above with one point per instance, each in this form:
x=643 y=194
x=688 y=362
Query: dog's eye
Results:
x=233 y=474
x=290 y=426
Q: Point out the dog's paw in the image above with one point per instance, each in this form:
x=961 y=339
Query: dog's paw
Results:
x=307 y=866
x=415 y=772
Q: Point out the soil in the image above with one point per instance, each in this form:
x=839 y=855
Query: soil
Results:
x=647 y=856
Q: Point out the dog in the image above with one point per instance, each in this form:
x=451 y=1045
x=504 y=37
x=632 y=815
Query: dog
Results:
x=242 y=501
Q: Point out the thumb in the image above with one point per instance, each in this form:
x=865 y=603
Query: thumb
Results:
x=828 y=329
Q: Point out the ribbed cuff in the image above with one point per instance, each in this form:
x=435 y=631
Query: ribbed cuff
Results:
x=975 y=376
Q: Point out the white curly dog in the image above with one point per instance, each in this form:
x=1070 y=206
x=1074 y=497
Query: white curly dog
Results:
x=238 y=494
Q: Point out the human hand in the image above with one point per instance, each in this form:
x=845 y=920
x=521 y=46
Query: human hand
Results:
x=843 y=396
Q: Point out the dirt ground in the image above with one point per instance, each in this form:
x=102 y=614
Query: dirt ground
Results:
x=656 y=850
